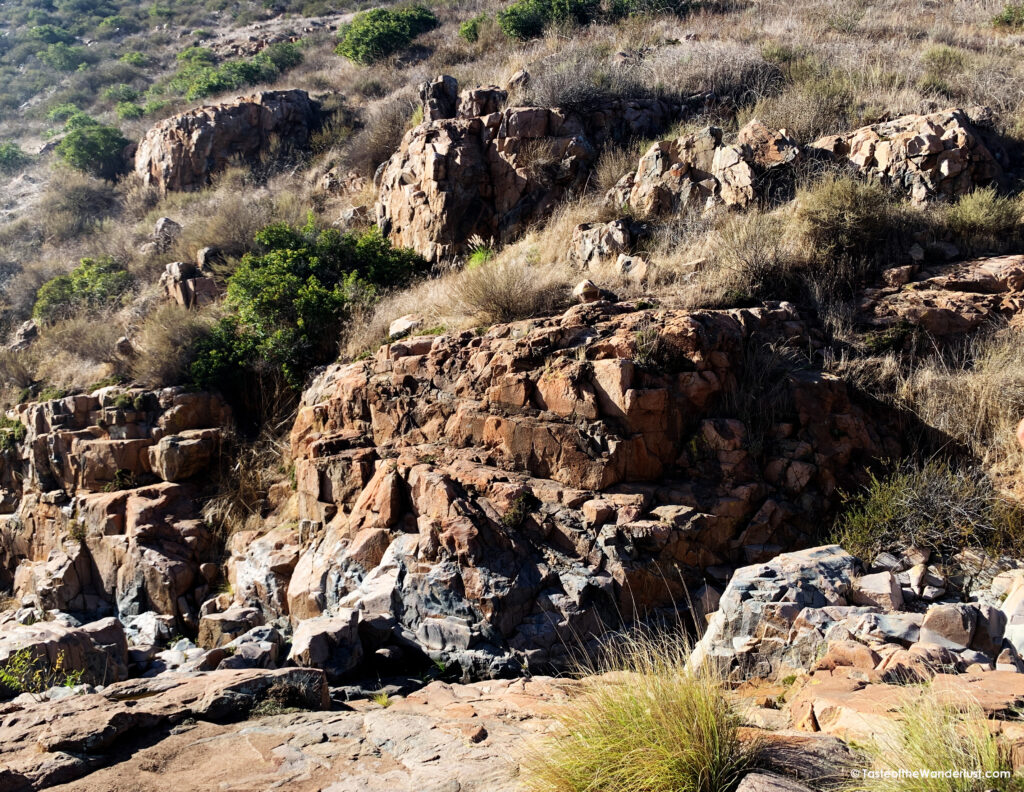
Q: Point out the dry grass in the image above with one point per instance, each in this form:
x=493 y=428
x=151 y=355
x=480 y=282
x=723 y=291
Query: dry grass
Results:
x=163 y=344
x=644 y=721
x=247 y=471
x=974 y=394
x=941 y=732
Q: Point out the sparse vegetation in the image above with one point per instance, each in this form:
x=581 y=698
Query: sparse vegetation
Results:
x=934 y=506
x=25 y=672
x=652 y=724
x=941 y=732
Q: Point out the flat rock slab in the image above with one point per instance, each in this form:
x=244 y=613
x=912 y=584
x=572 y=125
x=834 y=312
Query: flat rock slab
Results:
x=464 y=737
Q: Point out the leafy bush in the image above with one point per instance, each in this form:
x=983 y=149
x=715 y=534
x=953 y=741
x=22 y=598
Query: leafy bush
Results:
x=120 y=93
x=129 y=111
x=289 y=302
x=94 y=149
x=526 y=19
x=1012 y=16
x=654 y=725
x=12 y=432
x=12 y=158
x=200 y=76
x=375 y=34
x=133 y=58
x=62 y=57
x=470 y=29
x=935 y=507
x=94 y=285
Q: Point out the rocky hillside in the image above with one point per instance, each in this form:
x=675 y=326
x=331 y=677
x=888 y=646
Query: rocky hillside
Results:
x=517 y=397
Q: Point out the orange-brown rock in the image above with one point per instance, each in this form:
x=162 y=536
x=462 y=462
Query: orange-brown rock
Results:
x=492 y=175
x=183 y=151
x=484 y=498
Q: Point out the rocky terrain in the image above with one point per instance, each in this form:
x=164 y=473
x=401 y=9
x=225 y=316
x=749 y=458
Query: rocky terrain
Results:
x=388 y=413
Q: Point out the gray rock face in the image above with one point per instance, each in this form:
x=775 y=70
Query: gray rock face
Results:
x=760 y=605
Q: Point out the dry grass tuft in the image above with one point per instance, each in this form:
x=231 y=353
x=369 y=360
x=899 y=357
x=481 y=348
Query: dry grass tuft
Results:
x=940 y=732
x=164 y=342
x=644 y=722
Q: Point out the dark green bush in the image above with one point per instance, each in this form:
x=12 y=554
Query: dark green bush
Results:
x=375 y=34
x=12 y=158
x=12 y=432
x=94 y=149
x=120 y=93
x=50 y=34
x=289 y=302
x=470 y=29
x=200 y=75
x=62 y=57
x=94 y=285
x=526 y=19
x=129 y=111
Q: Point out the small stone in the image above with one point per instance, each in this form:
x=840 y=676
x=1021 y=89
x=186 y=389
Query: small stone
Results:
x=586 y=291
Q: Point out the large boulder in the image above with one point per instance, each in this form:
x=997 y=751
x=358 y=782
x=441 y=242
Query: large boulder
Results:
x=752 y=629
x=328 y=642
x=99 y=650
x=183 y=151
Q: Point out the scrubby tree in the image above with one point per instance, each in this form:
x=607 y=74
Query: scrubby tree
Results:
x=375 y=34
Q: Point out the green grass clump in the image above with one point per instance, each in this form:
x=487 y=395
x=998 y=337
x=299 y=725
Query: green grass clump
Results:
x=933 y=506
x=652 y=725
x=373 y=35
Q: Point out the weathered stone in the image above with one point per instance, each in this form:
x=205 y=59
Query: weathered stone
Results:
x=183 y=151
x=328 y=642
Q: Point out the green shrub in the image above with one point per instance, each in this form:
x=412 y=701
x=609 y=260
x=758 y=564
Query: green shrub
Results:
x=62 y=112
x=94 y=285
x=934 y=507
x=62 y=57
x=50 y=34
x=375 y=34
x=12 y=158
x=288 y=303
x=200 y=76
x=129 y=111
x=94 y=149
x=133 y=58
x=470 y=29
x=526 y=19
x=984 y=221
x=1012 y=16
x=12 y=432
x=120 y=93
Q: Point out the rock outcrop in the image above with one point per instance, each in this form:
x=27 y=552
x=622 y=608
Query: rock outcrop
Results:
x=488 y=500
x=698 y=170
x=103 y=495
x=940 y=155
x=947 y=299
x=183 y=151
x=817 y=610
x=491 y=175
x=45 y=744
